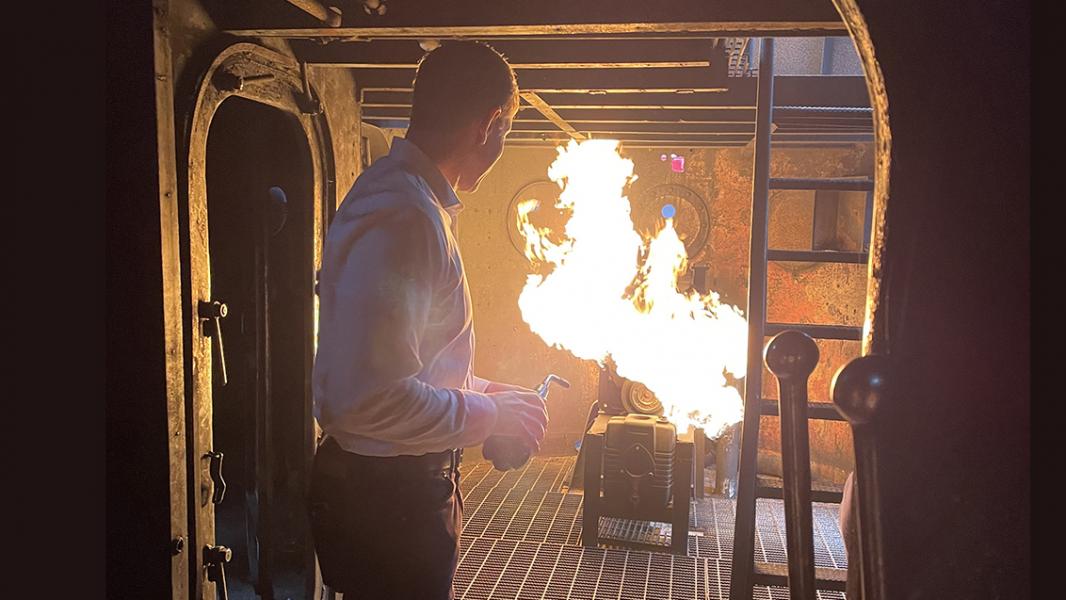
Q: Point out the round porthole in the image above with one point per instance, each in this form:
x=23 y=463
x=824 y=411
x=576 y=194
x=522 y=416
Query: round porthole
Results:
x=649 y=211
x=682 y=204
x=545 y=192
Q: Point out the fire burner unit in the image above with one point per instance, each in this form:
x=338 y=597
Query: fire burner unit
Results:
x=637 y=467
x=638 y=462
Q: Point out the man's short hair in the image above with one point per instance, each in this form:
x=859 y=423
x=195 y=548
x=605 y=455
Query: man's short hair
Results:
x=459 y=82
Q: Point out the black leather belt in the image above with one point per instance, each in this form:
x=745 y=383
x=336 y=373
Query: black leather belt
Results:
x=335 y=458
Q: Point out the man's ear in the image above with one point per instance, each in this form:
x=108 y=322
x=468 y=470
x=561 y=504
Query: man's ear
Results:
x=486 y=124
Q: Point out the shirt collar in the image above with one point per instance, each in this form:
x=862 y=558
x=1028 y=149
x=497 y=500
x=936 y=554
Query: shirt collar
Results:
x=408 y=153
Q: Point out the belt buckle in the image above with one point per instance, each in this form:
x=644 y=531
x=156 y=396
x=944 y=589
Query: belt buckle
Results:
x=447 y=469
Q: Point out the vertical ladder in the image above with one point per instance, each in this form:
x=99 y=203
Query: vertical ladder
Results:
x=746 y=573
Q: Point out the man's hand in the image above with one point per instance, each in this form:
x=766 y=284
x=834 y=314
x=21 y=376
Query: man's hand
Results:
x=521 y=413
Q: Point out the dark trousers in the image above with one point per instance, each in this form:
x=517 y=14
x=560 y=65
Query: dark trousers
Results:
x=386 y=528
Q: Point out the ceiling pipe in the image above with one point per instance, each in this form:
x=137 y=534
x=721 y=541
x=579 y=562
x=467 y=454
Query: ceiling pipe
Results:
x=331 y=15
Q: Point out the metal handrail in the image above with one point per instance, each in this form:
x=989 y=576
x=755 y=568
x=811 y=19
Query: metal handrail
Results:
x=792 y=356
x=858 y=390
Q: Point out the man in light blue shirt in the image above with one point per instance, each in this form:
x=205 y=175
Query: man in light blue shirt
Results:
x=393 y=388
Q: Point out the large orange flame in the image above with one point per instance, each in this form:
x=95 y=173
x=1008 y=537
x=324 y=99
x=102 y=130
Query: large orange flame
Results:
x=610 y=293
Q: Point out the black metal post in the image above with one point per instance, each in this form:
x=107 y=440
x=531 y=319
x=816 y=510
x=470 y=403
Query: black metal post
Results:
x=744 y=529
x=682 y=483
x=858 y=389
x=727 y=448
x=791 y=356
x=827 y=55
x=592 y=507
x=699 y=461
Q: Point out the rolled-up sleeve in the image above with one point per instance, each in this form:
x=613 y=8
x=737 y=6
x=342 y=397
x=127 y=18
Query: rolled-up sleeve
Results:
x=376 y=305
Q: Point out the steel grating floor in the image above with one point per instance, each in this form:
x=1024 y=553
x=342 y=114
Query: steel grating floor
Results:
x=521 y=540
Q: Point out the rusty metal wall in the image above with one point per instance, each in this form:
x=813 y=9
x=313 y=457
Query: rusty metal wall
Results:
x=799 y=292
x=336 y=89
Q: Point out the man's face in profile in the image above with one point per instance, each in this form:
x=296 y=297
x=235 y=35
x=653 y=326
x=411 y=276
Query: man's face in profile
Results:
x=486 y=155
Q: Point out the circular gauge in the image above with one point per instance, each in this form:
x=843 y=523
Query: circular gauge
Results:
x=637 y=398
x=546 y=193
x=686 y=207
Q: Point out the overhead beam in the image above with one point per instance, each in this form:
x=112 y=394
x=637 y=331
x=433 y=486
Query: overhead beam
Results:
x=675 y=145
x=841 y=98
x=371 y=96
x=847 y=95
x=699 y=97
x=654 y=119
x=696 y=135
x=397 y=106
x=525 y=51
x=518 y=133
x=667 y=144
x=568 y=13
x=570 y=79
x=823 y=127
x=673 y=128
x=685 y=128
x=649 y=106
x=536 y=102
x=587 y=113
x=713 y=25
x=533 y=66
x=590 y=119
x=401 y=96
x=842 y=136
x=640 y=127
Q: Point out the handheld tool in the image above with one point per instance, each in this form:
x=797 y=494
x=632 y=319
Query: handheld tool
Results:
x=508 y=452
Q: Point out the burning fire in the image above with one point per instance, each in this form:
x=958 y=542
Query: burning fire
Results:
x=610 y=293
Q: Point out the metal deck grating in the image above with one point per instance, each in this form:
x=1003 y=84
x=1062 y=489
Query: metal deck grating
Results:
x=641 y=532
x=521 y=540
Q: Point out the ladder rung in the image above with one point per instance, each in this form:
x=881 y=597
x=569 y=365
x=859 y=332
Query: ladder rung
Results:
x=843 y=185
x=823 y=256
x=776 y=574
x=820 y=332
x=827 y=496
x=824 y=411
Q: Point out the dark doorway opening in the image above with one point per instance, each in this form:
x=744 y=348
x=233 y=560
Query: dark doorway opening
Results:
x=260 y=192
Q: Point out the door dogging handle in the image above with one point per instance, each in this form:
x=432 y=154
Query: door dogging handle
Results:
x=218 y=487
x=212 y=313
x=215 y=559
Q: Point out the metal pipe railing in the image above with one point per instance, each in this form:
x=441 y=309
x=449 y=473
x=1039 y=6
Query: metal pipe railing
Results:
x=791 y=356
x=858 y=389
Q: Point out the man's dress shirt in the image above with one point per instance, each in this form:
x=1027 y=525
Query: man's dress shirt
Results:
x=392 y=375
